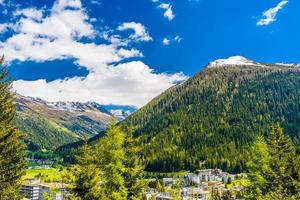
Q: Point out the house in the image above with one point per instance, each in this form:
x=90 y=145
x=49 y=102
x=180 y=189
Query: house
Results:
x=150 y=194
x=208 y=175
x=195 y=194
x=34 y=191
x=163 y=196
x=157 y=195
x=168 y=182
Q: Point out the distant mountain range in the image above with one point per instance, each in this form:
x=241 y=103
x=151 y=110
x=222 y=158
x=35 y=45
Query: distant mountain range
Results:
x=211 y=119
x=49 y=125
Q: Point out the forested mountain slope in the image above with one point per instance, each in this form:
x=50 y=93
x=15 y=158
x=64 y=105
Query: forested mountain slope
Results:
x=50 y=125
x=211 y=119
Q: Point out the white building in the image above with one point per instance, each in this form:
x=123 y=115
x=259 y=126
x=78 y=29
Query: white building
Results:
x=157 y=195
x=163 y=196
x=168 y=182
x=195 y=194
x=207 y=175
x=34 y=191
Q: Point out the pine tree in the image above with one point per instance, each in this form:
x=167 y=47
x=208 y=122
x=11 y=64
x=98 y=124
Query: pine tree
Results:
x=258 y=167
x=87 y=184
x=274 y=169
x=110 y=169
x=284 y=164
x=111 y=157
x=12 y=150
x=133 y=168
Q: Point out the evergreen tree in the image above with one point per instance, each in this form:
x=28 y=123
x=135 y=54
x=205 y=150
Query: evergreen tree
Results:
x=258 y=167
x=87 y=184
x=274 y=170
x=109 y=169
x=12 y=150
x=133 y=168
x=111 y=157
x=284 y=164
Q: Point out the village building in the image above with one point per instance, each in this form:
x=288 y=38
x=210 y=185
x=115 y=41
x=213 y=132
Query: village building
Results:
x=153 y=194
x=168 y=182
x=33 y=189
x=195 y=194
x=208 y=175
x=163 y=196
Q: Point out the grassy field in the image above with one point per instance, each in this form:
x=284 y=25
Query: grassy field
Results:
x=47 y=175
x=175 y=175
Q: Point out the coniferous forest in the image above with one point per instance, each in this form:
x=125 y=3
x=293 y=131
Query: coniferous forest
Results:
x=212 y=119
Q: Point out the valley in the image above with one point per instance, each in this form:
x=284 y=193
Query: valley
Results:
x=199 y=139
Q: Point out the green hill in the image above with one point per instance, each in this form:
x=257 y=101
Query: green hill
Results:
x=211 y=119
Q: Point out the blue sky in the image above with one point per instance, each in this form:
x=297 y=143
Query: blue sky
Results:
x=127 y=52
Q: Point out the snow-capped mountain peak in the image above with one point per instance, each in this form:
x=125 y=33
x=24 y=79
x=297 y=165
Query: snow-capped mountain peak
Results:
x=67 y=106
x=289 y=64
x=234 y=60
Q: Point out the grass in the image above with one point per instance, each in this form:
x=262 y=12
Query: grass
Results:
x=175 y=175
x=46 y=175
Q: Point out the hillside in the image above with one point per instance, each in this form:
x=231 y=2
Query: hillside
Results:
x=211 y=119
x=50 y=125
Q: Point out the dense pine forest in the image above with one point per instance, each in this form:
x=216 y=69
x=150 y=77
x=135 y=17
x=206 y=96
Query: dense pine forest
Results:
x=211 y=120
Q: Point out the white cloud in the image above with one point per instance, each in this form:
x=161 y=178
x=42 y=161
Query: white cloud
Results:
x=32 y=13
x=57 y=34
x=166 y=41
x=132 y=83
x=3 y=28
x=140 y=33
x=168 y=11
x=269 y=15
x=125 y=53
x=95 y=2
x=1 y=2
x=177 y=39
x=93 y=20
x=61 y=5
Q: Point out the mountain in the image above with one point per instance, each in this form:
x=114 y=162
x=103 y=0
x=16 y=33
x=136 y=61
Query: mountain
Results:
x=50 y=125
x=211 y=119
x=119 y=111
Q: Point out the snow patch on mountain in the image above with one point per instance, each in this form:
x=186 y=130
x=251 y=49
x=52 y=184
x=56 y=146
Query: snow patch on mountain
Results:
x=288 y=64
x=242 y=61
x=234 y=60
x=120 y=114
x=65 y=106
